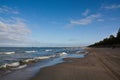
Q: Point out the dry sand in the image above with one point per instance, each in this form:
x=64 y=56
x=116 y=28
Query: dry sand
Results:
x=99 y=64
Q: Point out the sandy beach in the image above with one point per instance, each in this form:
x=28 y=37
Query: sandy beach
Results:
x=99 y=64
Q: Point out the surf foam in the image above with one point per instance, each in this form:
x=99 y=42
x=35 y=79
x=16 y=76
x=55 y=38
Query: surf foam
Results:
x=7 y=52
x=30 y=51
x=48 y=50
x=63 y=53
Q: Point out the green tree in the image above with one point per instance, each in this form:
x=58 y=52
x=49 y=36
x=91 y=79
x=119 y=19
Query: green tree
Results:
x=118 y=34
x=112 y=37
x=118 y=37
x=108 y=42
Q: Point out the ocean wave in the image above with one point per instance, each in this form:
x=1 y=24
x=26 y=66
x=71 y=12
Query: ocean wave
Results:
x=19 y=64
x=36 y=59
x=14 y=64
x=12 y=52
x=47 y=50
x=43 y=57
x=63 y=53
x=28 y=60
x=30 y=51
x=78 y=52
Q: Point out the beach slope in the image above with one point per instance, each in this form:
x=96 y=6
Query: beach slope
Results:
x=99 y=64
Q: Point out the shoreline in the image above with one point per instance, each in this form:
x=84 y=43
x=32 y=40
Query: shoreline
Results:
x=28 y=72
x=99 y=64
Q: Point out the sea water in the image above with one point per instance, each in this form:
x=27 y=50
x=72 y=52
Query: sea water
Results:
x=43 y=56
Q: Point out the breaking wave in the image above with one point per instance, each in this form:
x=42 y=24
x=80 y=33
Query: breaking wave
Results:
x=47 y=50
x=63 y=53
x=23 y=63
x=12 y=52
x=30 y=51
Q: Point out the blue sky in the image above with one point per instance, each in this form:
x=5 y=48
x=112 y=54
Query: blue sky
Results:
x=48 y=23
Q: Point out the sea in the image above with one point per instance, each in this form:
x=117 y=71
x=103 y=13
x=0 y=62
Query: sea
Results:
x=27 y=61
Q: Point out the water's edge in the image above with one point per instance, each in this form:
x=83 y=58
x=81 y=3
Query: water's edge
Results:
x=29 y=71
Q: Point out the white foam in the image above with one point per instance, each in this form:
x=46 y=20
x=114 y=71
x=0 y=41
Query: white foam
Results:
x=63 y=53
x=37 y=58
x=48 y=50
x=4 y=66
x=43 y=57
x=28 y=60
x=30 y=51
x=15 y=64
x=20 y=67
x=7 y=52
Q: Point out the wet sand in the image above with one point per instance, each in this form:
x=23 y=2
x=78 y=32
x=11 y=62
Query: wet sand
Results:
x=99 y=64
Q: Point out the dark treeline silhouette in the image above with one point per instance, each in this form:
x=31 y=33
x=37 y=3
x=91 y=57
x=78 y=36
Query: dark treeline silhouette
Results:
x=112 y=41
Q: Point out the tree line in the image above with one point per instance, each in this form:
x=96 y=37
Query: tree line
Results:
x=111 y=41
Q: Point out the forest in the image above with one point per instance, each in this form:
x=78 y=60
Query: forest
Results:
x=111 y=41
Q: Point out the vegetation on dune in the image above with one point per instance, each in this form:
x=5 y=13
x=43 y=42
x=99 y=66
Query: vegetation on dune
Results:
x=112 y=41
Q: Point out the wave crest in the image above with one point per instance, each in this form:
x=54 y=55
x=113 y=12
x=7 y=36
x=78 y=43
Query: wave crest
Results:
x=12 y=52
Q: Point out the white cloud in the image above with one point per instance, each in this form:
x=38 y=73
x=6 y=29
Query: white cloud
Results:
x=86 y=12
x=85 y=21
x=5 y=10
x=13 y=30
x=114 y=6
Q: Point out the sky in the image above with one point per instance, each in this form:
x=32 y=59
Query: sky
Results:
x=57 y=23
